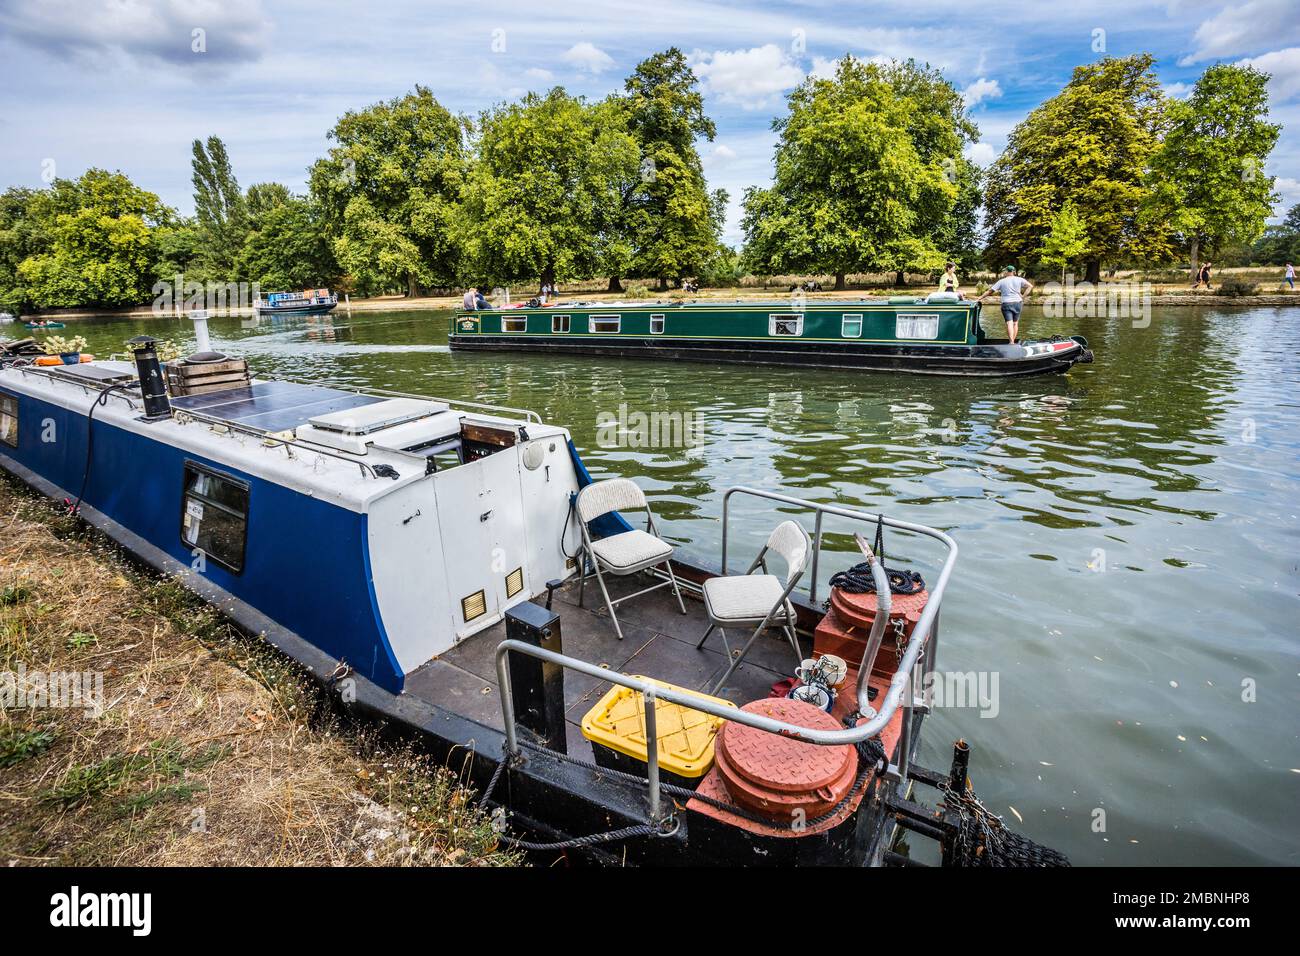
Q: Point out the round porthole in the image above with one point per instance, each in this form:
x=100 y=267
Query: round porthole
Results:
x=534 y=455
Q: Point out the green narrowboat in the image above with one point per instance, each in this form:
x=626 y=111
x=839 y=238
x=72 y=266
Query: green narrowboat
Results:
x=932 y=335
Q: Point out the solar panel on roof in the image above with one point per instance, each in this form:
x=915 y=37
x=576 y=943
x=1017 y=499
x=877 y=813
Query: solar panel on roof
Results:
x=272 y=406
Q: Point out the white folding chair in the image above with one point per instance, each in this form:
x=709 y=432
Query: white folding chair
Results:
x=762 y=599
x=621 y=554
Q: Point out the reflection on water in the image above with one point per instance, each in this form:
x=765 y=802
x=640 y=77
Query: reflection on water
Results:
x=1128 y=539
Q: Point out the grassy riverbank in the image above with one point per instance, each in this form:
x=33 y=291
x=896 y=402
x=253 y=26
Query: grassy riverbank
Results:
x=212 y=748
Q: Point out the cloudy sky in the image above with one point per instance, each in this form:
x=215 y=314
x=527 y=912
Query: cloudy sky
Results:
x=119 y=83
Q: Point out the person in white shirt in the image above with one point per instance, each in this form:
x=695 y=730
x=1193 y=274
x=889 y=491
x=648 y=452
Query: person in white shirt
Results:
x=1290 y=275
x=1011 y=289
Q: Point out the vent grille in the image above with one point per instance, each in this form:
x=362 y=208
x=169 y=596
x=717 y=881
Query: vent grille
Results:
x=514 y=582
x=473 y=606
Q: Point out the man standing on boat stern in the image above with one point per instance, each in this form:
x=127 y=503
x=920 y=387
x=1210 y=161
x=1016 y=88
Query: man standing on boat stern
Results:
x=1011 y=289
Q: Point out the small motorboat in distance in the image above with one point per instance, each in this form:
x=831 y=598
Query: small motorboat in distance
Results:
x=307 y=302
x=938 y=334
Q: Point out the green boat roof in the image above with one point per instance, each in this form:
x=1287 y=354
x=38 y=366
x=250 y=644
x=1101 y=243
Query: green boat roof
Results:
x=714 y=304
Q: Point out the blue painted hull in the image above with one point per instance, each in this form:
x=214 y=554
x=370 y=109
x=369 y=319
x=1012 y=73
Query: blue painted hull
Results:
x=307 y=565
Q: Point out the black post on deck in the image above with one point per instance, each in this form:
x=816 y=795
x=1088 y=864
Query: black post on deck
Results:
x=537 y=687
x=959 y=772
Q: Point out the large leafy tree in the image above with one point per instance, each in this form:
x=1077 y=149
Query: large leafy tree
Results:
x=537 y=203
x=388 y=190
x=853 y=189
x=1207 y=180
x=1280 y=244
x=220 y=211
x=288 y=248
x=1091 y=144
x=941 y=129
x=672 y=220
x=21 y=235
x=100 y=248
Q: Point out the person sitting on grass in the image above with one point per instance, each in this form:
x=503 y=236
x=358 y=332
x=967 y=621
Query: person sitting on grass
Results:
x=1011 y=290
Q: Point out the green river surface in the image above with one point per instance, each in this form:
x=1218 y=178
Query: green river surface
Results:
x=1127 y=532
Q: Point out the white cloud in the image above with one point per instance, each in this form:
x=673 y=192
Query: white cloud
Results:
x=587 y=57
x=981 y=154
x=981 y=90
x=723 y=153
x=150 y=30
x=1243 y=28
x=751 y=78
x=1288 y=190
x=823 y=68
x=1283 y=66
x=1177 y=91
x=536 y=73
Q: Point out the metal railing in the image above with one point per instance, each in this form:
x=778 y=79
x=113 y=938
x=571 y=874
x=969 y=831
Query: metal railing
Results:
x=877 y=719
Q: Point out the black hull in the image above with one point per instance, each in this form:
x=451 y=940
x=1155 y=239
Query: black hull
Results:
x=309 y=310
x=988 y=360
x=549 y=799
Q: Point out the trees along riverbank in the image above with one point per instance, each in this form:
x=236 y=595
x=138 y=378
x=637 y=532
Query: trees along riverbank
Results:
x=869 y=176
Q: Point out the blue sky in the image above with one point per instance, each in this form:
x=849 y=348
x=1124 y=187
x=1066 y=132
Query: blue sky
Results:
x=118 y=83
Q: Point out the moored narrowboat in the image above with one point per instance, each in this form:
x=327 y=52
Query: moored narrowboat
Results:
x=933 y=335
x=453 y=569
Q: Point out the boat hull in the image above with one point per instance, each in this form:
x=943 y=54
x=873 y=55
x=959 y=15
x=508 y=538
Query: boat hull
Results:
x=986 y=360
x=301 y=310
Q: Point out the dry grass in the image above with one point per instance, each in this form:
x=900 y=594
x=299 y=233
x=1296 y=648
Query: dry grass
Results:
x=212 y=749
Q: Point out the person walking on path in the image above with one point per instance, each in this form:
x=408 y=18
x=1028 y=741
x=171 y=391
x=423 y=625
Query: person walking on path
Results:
x=1290 y=276
x=1011 y=290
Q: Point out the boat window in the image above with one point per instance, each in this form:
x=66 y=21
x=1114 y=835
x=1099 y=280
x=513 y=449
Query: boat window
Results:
x=559 y=323
x=605 y=323
x=916 y=326
x=852 y=327
x=785 y=324
x=9 y=420
x=214 y=517
x=656 y=325
x=514 y=323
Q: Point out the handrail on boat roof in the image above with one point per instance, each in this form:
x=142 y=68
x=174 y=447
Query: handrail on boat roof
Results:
x=877 y=719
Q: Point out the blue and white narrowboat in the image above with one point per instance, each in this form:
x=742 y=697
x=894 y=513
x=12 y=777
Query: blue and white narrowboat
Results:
x=420 y=557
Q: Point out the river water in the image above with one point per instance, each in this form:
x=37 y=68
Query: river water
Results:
x=1126 y=590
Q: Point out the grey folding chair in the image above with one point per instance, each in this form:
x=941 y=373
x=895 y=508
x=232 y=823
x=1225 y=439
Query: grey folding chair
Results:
x=621 y=554
x=762 y=599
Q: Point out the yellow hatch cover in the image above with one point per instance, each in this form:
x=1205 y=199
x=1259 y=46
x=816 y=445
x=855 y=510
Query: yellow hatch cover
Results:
x=685 y=735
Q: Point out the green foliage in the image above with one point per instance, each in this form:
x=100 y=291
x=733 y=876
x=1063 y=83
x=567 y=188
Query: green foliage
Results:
x=17 y=745
x=671 y=222
x=1066 y=239
x=287 y=248
x=96 y=242
x=1090 y=145
x=1280 y=244
x=387 y=192
x=536 y=204
x=1234 y=287
x=21 y=235
x=1207 y=181
x=220 y=211
x=860 y=179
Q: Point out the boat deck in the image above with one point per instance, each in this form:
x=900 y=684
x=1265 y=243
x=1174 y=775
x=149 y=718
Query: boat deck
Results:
x=659 y=642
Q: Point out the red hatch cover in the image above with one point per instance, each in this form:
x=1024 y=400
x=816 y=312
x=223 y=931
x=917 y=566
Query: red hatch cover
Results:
x=775 y=775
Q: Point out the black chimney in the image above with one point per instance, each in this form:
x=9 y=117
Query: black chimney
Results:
x=152 y=387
